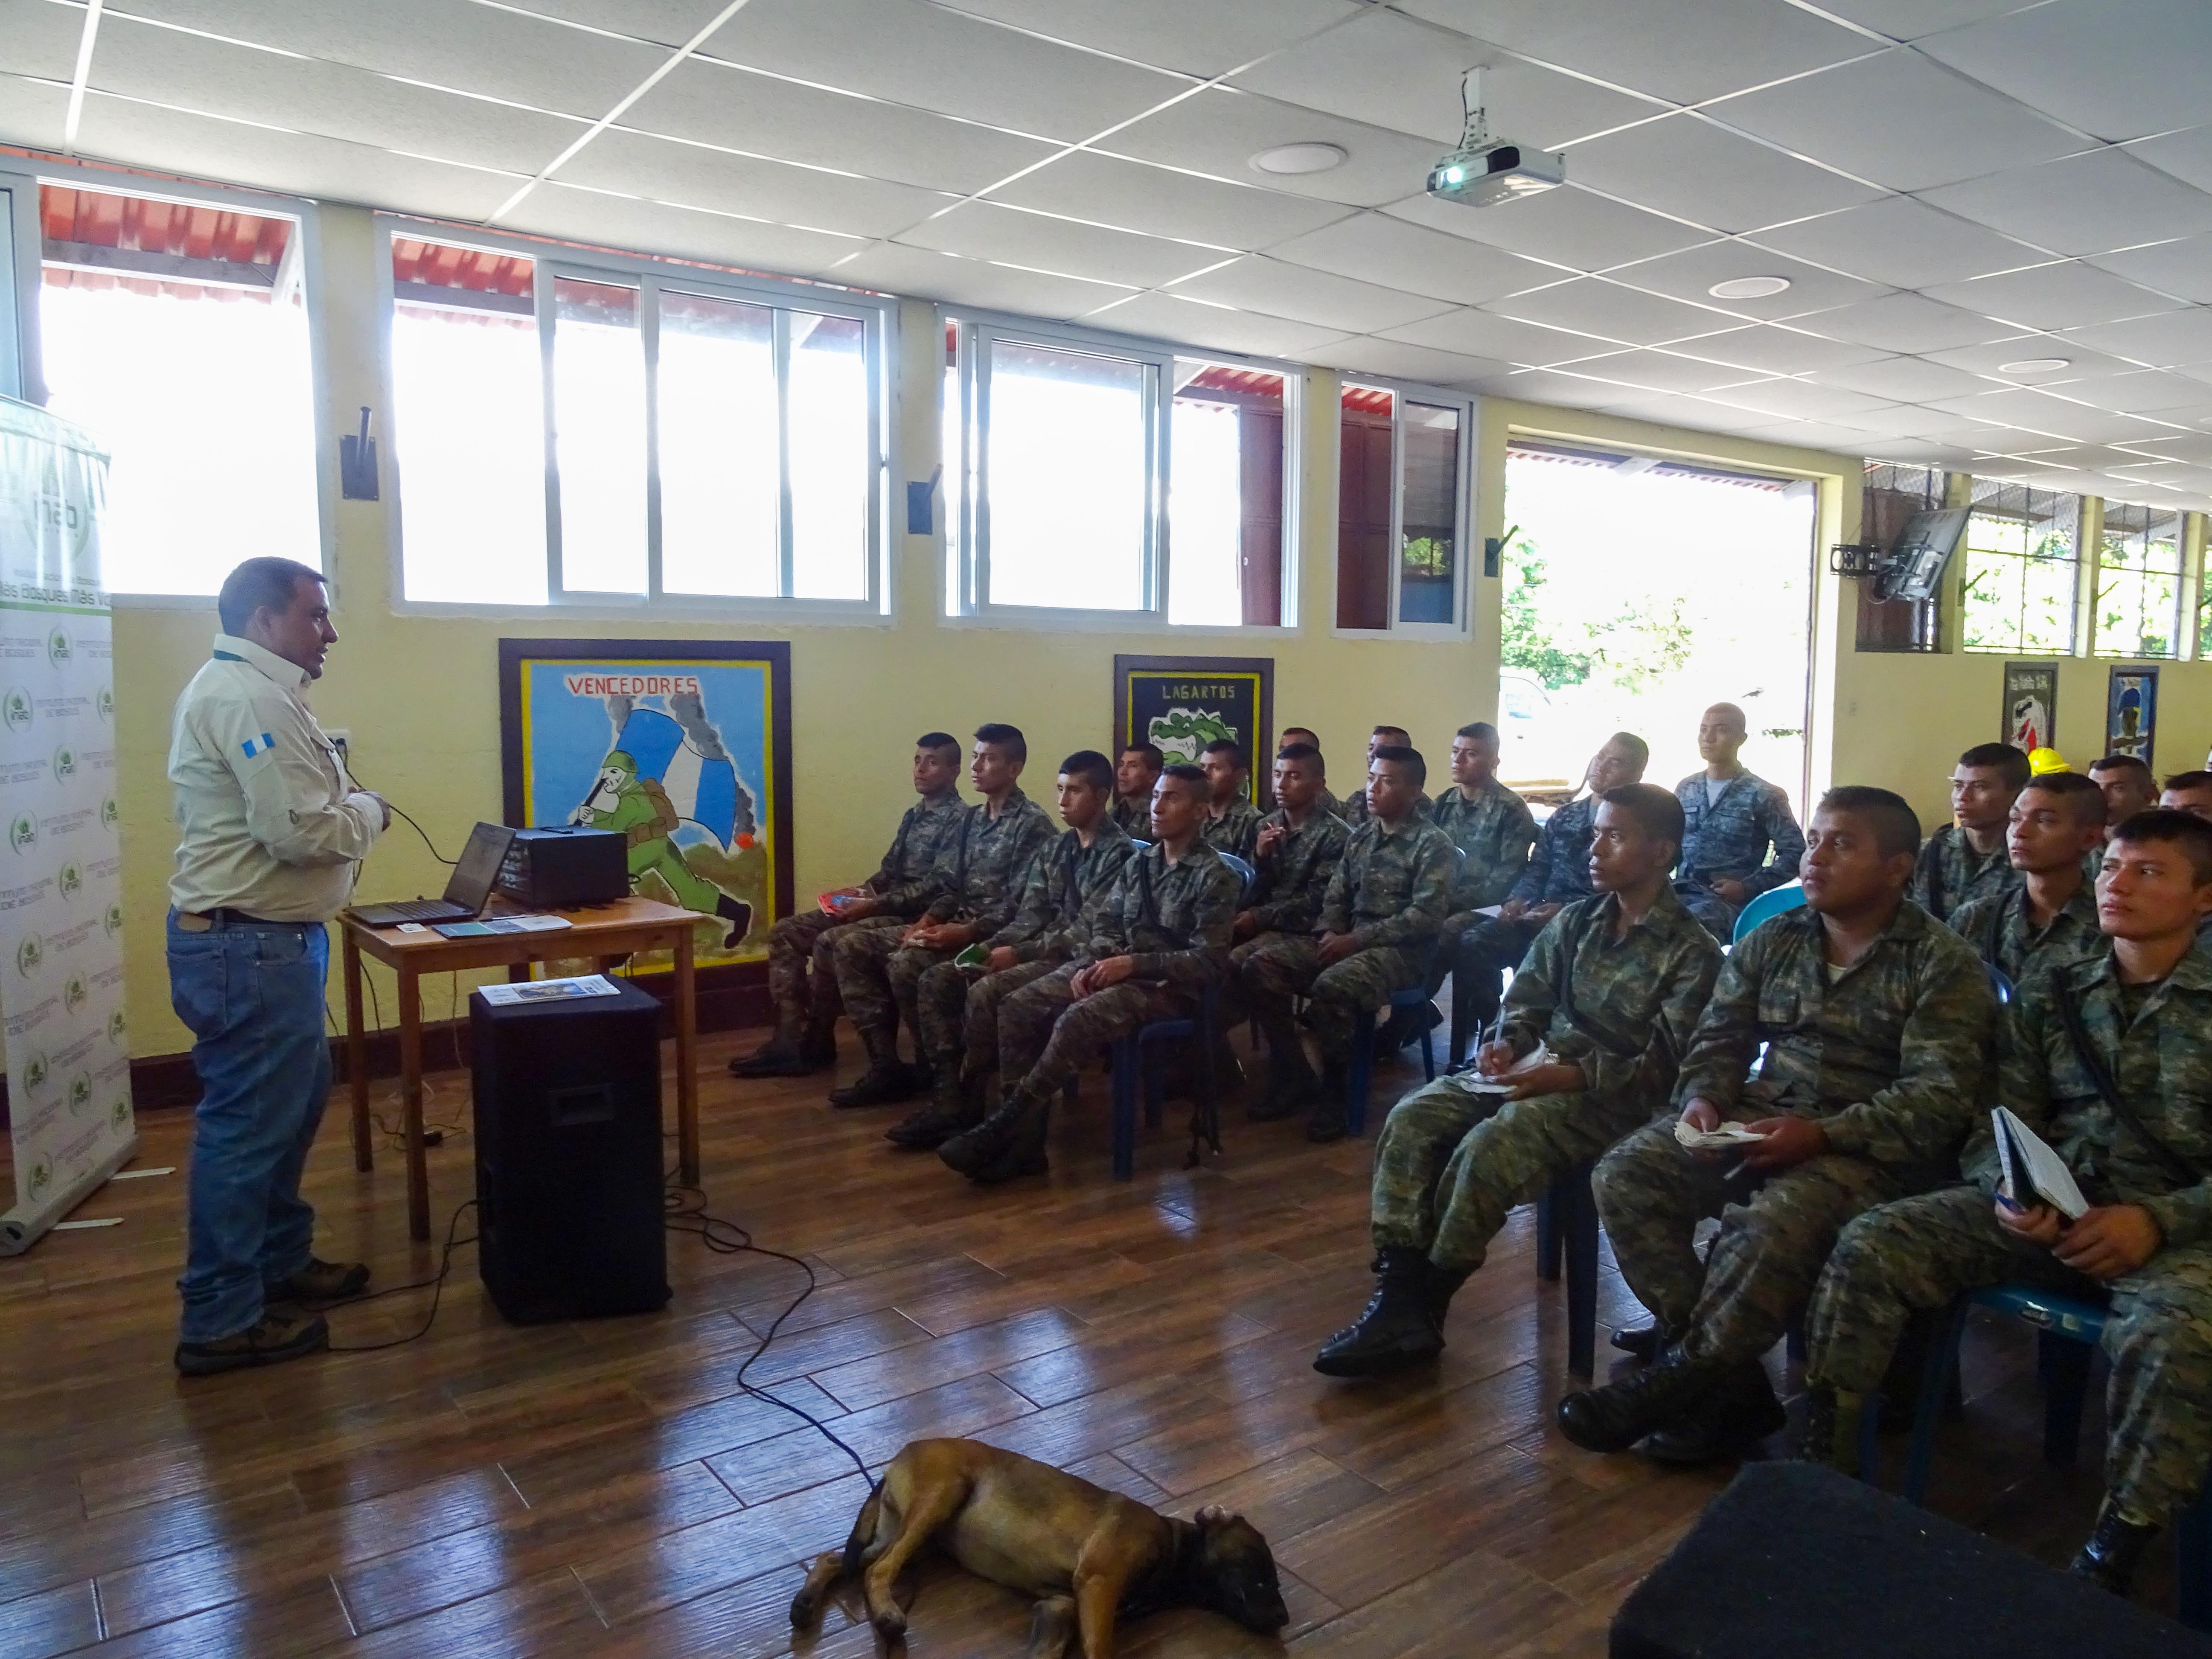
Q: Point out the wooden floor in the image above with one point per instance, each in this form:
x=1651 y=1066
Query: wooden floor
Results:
x=603 y=1488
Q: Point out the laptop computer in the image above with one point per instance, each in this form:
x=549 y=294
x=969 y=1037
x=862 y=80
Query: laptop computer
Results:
x=467 y=890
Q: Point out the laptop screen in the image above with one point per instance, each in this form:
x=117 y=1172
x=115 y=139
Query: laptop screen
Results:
x=472 y=876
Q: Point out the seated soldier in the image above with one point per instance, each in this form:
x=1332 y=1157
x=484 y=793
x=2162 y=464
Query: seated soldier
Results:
x=1614 y=985
x=2108 y=1057
x=1354 y=810
x=2056 y=821
x=806 y=1001
x=1733 y=818
x=1162 y=938
x=957 y=1008
x=1876 y=1024
x=1294 y=855
x=1378 y=927
x=1965 y=859
x=2128 y=785
x=1232 y=823
x=980 y=876
x=1134 y=775
x=2189 y=793
x=1294 y=735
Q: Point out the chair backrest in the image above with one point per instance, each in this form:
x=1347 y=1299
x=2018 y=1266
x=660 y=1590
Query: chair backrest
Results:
x=1764 y=907
x=1245 y=873
x=2000 y=984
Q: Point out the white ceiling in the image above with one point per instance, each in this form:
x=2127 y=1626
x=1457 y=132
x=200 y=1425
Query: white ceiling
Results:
x=1950 y=185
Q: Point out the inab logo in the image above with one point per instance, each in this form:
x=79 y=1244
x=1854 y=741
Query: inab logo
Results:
x=23 y=832
x=64 y=764
x=79 y=1094
x=30 y=955
x=74 y=992
x=58 y=648
x=112 y=919
x=119 y=1114
x=110 y=814
x=69 y=882
x=16 y=712
x=116 y=1026
x=105 y=702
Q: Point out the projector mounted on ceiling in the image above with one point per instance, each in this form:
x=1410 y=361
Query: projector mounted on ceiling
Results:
x=1480 y=170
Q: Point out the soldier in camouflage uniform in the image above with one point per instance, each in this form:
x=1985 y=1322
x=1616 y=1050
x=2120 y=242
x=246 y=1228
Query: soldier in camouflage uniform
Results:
x=1161 y=941
x=1134 y=775
x=1232 y=823
x=2134 y=1019
x=1294 y=855
x=2189 y=793
x=957 y=1007
x=1614 y=985
x=1327 y=802
x=980 y=877
x=1354 y=810
x=1733 y=818
x=2128 y=786
x=1965 y=859
x=1378 y=927
x=1877 y=1024
x=802 y=978
x=2056 y=821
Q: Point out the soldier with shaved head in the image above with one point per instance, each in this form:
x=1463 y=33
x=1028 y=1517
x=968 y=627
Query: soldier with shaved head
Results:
x=1740 y=838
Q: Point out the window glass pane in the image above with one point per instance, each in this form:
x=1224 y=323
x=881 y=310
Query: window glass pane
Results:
x=831 y=471
x=2022 y=569
x=598 y=415
x=717 y=447
x=1429 y=543
x=1365 y=478
x=1069 y=485
x=1226 y=496
x=2139 y=582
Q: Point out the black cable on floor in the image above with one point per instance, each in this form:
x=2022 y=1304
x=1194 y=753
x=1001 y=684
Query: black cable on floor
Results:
x=435 y=1286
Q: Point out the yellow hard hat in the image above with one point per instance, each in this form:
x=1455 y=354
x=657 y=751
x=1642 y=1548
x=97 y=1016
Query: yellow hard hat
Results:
x=2040 y=761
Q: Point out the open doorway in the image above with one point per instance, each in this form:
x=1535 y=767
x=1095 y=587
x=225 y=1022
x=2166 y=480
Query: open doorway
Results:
x=1636 y=592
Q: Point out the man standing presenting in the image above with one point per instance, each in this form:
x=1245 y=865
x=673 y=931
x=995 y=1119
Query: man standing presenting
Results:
x=1965 y=859
x=273 y=830
x=1732 y=819
x=2057 y=821
x=1134 y=775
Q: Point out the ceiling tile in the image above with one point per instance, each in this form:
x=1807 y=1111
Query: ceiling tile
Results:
x=40 y=37
x=2076 y=360
x=1811 y=434
x=1663 y=371
x=920 y=54
x=1915 y=451
x=1898 y=119
x=1256 y=282
x=1485 y=334
x=1893 y=421
x=1393 y=360
x=1910 y=20
x=1694 y=170
x=662 y=170
x=1683 y=50
x=583 y=215
x=1174 y=34
x=1776 y=349
x=2179 y=338
x=1799 y=400
x=891 y=268
x=981 y=230
x=1568 y=226
x=664 y=22
x=2187 y=156
x=1592 y=305
x=1160 y=202
x=1901 y=242
x=2112 y=70
x=1560 y=390
x=2191 y=450
x=1395 y=72
x=1696 y=414
x=1903 y=322
x=2182 y=267
x=1399 y=253
x=1905 y=380
x=719 y=104
x=1220 y=130
x=32 y=112
x=1163 y=316
x=2084 y=205
x=1688 y=275
x=2070 y=294
x=2035 y=411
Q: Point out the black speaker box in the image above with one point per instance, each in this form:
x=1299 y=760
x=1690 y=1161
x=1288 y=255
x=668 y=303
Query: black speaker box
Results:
x=570 y=1220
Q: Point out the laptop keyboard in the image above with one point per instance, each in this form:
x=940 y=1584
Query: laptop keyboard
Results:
x=421 y=909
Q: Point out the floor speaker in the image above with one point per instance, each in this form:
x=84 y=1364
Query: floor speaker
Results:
x=569 y=1219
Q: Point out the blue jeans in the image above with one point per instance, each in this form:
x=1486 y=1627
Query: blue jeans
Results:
x=252 y=995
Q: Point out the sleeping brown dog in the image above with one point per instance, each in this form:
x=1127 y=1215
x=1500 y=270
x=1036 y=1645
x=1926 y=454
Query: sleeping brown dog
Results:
x=1089 y=1555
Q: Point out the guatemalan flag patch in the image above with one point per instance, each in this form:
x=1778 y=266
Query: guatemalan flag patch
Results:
x=260 y=745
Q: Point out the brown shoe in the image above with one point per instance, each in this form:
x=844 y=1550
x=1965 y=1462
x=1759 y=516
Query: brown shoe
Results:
x=282 y=1333
x=321 y=1281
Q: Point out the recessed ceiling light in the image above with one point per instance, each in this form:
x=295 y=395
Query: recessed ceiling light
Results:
x=2034 y=366
x=1748 y=287
x=1300 y=158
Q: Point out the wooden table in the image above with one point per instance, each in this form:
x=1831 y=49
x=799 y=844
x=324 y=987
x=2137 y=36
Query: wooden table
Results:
x=606 y=934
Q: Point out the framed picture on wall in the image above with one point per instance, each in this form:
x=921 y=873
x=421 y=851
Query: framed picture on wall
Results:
x=2131 y=711
x=2030 y=720
x=684 y=749
x=1182 y=703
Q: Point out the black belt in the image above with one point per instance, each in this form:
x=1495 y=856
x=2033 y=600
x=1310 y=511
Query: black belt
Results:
x=223 y=916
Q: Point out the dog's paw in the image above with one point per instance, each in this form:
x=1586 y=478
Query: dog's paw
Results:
x=805 y=1609
x=890 y=1625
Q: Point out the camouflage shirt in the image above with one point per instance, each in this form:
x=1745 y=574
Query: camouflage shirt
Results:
x=1133 y=817
x=1234 y=832
x=1174 y=920
x=2161 y=1063
x=1950 y=872
x=1997 y=927
x=1891 y=1058
x=1731 y=836
x=1559 y=869
x=1393 y=886
x=1495 y=830
x=1353 y=811
x=1068 y=885
x=1294 y=878
x=1628 y=1005
x=908 y=879
x=985 y=868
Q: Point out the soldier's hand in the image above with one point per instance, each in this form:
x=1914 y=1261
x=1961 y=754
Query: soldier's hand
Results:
x=951 y=935
x=1494 y=1058
x=2109 y=1240
x=1730 y=892
x=1001 y=959
x=1701 y=1114
x=858 y=910
x=1245 y=926
x=1561 y=1077
x=1102 y=975
x=1539 y=914
x=1271 y=837
x=1788 y=1141
x=2037 y=1224
x=1513 y=909
x=1335 y=947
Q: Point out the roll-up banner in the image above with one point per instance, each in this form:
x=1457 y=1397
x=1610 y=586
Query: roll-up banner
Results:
x=61 y=872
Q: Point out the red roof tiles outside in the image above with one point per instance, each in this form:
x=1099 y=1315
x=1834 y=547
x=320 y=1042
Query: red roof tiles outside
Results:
x=140 y=224
x=1366 y=400
x=440 y=264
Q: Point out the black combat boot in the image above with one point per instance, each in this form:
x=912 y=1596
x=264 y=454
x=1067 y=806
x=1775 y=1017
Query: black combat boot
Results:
x=1641 y=1340
x=1025 y=1154
x=1328 y=1121
x=1829 y=1433
x=770 y=1058
x=2113 y=1550
x=1615 y=1417
x=1732 y=1417
x=1395 y=1331
x=1291 y=1085
x=983 y=1146
x=887 y=1081
x=957 y=1103
x=1442 y=1287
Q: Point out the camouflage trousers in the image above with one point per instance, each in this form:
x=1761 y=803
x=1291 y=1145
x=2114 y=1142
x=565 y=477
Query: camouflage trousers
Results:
x=802 y=979
x=956 y=1013
x=1046 y=1036
x=1470 y=967
x=1450 y=1164
x=1290 y=965
x=1775 y=1235
x=862 y=957
x=1917 y=1254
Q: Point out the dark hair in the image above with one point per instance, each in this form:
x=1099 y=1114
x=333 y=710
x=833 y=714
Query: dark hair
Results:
x=1228 y=747
x=2191 y=834
x=1150 y=751
x=1308 y=730
x=1089 y=766
x=268 y=583
x=1482 y=731
x=1896 y=825
x=1399 y=730
x=2185 y=780
x=1184 y=772
x=937 y=740
x=1635 y=745
x=1654 y=811
x=2121 y=763
x=1297 y=751
x=1008 y=737
x=1409 y=759
x=2011 y=763
x=2088 y=800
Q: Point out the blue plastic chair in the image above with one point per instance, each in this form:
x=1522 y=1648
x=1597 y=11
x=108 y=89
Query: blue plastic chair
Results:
x=1765 y=906
x=1999 y=984
x=1356 y=1073
x=2067 y=1330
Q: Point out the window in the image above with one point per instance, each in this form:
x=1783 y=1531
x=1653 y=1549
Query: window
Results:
x=648 y=434
x=2139 y=582
x=1892 y=495
x=2022 y=569
x=1401 y=510
x=1093 y=474
x=174 y=333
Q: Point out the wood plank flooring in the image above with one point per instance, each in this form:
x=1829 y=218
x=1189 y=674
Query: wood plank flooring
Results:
x=604 y=1488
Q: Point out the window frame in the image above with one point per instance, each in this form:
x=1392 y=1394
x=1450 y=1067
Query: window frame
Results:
x=878 y=315
x=2081 y=561
x=1469 y=406
x=967 y=558
x=2179 y=619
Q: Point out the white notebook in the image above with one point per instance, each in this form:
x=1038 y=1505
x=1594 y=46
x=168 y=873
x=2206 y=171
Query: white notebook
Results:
x=2032 y=1173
